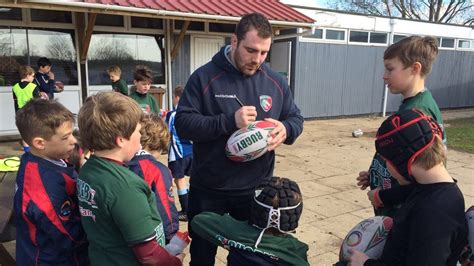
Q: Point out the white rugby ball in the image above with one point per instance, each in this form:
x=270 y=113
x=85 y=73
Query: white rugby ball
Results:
x=250 y=142
x=368 y=237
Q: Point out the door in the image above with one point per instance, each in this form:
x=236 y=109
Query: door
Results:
x=280 y=58
x=203 y=48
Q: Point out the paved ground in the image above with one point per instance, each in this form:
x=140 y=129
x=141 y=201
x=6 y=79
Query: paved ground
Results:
x=325 y=161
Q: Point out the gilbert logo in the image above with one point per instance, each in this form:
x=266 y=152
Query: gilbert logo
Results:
x=266 y=102
x=386 y=142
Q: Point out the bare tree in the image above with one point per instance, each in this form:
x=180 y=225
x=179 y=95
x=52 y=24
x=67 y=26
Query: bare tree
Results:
x=60 y=47
x=110 y=49
x=450 y=11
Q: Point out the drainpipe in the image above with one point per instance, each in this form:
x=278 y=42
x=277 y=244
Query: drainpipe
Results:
x=161 y=13
x=390 y=42
x=169 y=82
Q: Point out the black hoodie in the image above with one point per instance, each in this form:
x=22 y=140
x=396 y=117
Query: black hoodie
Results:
x=205 y=115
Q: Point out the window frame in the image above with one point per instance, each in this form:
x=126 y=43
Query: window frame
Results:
x=471 y=45
x=324 y=39
x=440 y=44
x=128 y=32
x=71 y=32
x=368 y=43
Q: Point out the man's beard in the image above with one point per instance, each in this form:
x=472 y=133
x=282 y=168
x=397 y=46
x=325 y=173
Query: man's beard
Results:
x=242 y=67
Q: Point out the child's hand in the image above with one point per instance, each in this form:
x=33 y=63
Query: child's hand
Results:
x=373 y=199
x=356 y=258
x=44 y=95
x=363 y=180
x=51 y=75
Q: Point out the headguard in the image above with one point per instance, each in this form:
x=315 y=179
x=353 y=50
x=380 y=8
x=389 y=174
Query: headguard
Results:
x=403 y=136
x=284 y=217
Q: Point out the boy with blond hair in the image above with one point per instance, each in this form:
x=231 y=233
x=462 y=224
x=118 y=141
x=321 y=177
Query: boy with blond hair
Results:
x=118 y=209
x=155 y=138
x=430 y=228
x=142 y=78
x=48 y=225
x=118 y=84
x=407 y=65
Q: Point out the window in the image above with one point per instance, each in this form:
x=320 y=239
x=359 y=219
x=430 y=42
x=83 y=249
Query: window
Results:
x=194 y=25
x=359 y=36
x=147 y=23
x=335 y=34
x=318 y=34
x=16 y=50
x=446 y=42
x=10 y=13
x=397 y=38
x=125 y=51
x=51 y=16
x=58 y=47
x=221 y=27
x=13 y=53
x=466 y=44
x=109 y=20
x=376 y=37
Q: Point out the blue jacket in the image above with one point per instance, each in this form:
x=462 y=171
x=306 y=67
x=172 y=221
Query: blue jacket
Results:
x=45 y=84
x=179 y=148
x=158 y=178
x=205 y=115
x=48 y=224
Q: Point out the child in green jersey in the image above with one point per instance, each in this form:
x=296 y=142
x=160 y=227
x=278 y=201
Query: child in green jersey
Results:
x=407 y=65
x=118 y=84
x=142 y=78
x=118 y=209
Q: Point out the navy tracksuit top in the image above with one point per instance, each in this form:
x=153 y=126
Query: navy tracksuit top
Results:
x=48 y=224
x=205 y=115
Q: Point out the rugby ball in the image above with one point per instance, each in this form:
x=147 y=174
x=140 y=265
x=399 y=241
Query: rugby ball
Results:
x=249 y=143
x=368 y=237
x=58 y=86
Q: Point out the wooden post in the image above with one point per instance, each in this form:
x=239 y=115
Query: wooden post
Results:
x=88 y=35
x=179 y=41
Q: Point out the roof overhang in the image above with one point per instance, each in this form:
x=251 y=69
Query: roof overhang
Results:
x=79 y=6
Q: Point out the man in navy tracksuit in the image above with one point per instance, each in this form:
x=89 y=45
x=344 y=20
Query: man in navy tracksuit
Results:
x=210 y=111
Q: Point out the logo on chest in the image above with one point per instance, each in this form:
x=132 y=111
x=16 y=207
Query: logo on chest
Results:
x=266 y=102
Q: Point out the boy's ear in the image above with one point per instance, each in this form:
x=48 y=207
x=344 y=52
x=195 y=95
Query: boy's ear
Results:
x=135 y=82
x=120 y=141
x=417 y=68
x=38 y=143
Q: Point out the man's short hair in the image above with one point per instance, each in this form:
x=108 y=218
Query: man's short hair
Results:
x=41 y=118
x=115 y=70
x=252 y=21
x=25 y=71
x=106 y=116
x=142 y=73
x=155 y=134
x=414 y=49
x=178 y=91
x=43 y=61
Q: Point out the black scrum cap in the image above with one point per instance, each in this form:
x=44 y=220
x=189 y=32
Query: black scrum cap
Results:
x=403 y=136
